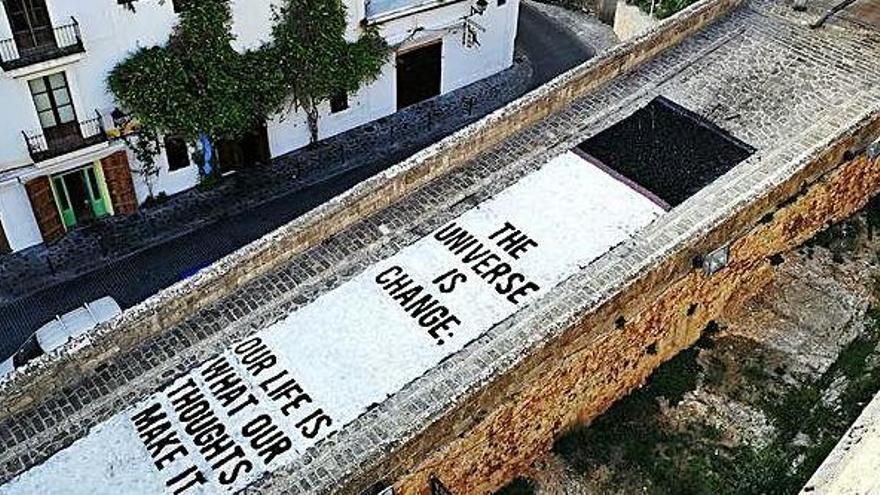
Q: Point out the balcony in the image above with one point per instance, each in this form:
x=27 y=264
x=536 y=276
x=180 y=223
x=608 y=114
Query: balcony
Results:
x=66 y=138
x=41 y=45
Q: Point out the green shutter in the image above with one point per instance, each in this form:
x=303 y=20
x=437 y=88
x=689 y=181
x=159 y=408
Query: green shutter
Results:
x=102 y=188
x=99 y=205
x=62 y=199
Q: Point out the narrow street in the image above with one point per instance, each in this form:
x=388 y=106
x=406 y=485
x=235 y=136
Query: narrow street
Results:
x=551 y=47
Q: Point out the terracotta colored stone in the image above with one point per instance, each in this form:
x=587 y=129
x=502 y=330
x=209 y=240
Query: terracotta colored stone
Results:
x=579 y=377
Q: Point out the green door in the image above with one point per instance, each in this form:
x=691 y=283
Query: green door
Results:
x=62 y=199
x=80 y=196
x=97 y=199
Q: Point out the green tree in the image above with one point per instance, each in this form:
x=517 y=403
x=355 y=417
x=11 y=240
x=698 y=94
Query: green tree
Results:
x=145 y=147
x=196 y=85
x=314 y=58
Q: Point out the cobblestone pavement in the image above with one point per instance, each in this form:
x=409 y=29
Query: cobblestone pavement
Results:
x=132 y=257
x=755 y=73
x=860 y=14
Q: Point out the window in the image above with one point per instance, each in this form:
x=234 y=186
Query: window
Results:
x=339 y=102
x=502 y=3
x=52 y=100
x=29 y=20
x=177 y=152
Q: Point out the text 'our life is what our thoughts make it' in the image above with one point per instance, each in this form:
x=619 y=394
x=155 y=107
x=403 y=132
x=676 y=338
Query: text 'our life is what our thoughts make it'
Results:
x=194 y=412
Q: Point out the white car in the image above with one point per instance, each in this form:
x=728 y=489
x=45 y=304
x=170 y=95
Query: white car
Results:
x=59 y=331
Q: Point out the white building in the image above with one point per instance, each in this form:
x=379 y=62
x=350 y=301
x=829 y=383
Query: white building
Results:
x=60 y=164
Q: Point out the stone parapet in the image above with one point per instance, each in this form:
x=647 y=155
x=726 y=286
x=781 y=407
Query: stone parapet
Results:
x=171 y=306
x=482 y=416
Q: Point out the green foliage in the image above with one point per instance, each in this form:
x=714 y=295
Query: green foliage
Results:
x=677 y=377
x=840 y=239
x=197 y=83
x=634 y=439
x=152 y=84
x=144 y=145
x=314 y=58
x=663 y=8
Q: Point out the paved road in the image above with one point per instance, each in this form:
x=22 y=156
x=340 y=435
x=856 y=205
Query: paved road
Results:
x=135 y=278
x=551 y=48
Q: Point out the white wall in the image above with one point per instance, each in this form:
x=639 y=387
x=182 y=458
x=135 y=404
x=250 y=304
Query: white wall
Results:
x=111 y=31
x=17 y=216
x=168 y=181
x=460 y=65
x=252 y=22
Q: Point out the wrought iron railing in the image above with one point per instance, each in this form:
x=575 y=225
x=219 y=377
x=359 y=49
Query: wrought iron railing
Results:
x=41 y=45
x=54 y=142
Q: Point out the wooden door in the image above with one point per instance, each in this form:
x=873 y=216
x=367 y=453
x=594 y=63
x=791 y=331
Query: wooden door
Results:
x=45 y=210
x=418 y=74
x=250 y=150
x=255 y=147
x=120 y=186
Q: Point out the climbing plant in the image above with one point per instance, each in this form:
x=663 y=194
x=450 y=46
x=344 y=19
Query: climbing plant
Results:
x=315 y=59
x=144 y=145
x=662 y=8
x=198 y=87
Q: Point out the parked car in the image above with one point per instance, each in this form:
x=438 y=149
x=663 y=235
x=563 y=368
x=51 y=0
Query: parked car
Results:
x=59 y=331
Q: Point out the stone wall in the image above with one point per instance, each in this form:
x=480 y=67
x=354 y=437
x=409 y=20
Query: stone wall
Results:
x=174 y=304
x=614 y=346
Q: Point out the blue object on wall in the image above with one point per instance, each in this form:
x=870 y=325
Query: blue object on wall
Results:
x=209 y=154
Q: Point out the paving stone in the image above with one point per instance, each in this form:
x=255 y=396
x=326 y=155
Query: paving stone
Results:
x=738 y=71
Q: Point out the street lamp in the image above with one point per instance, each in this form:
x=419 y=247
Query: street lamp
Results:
x=470 y=28
x=479 y=7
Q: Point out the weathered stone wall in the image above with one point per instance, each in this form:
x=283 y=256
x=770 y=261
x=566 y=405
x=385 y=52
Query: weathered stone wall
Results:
x=173 y=305
x=503 y=427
